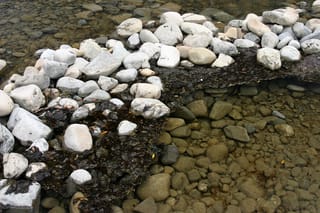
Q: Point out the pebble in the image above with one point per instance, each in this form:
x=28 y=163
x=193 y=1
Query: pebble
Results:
x=276 y=28
x=313 y=23
x=220 y=109
x=32 y=75
x=77 y=138
x=197 y=40
x=295 y=44
x=244 y=43
x=54 y=69
x=35 y=168
x=278 y=114
x=129 y=27
x=98 y=95
x=314 y=35
x=148 y=36
x=217 y=152
x=14 y=164
x=224 y=47
x=80 y=113
x=170 y=154
x=285 y=17
x=92 y=7
x=290 y=53
x=146 y=72
x=211 y=27
x=171 y=17
x=194 y=18
x=119 y=88
x=146 y=206
x=133 y=41
x=255 y=25
x=90 y=48
x=41 y=144
x=6 y=104
x=126 y=127
x=252 y=37
x=252 y=189
x=198 y=108
x=193 y=28
x=119 y=52
x=169 y=57
x=149 y=108
x=201 y=56
x=29 y=97
x=66 y=56
x=311 y=46
x=155 y=80
x=151 y=49
x=107 y=83
x=136 y=60
x=300 y=30
x=145 y=90
x=283 y=42
x=69 y=85
x=3 y=64
x=222 y=61
x=6 y=140
x=126 y=75
x=284 y=129
x=295 y=88
x=116 y=101
x=269 y=58
x=74 y=71
x=87 y=88
x=169 y=34
x=237 y=133
x=80 y=176
x=269 y=39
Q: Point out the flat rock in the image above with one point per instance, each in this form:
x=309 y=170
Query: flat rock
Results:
x=32 y=75
x=69 y=85
x=145 y=90
x=29 y=97
x=285 y=17
x=237 y=133
x=217 y=152
x=126 y=127
x=220 y=109
x=169 y=34
x=169 y=57
x=194 y=18
x=311 y=46
x=269 y=39
x=201 y=56
x=90 y=48
x=77 y=138
x=149 y=108
x=198 y=108
x=54 y=69
x=156 y=186
x=290 y=53
x=6 y=140
x=92 y=7
x=129 y=27
x=222 y=61
x=136 y=60
x=14 y=164
x=255 y=25
x=224 y=47
x=252 y=37
x=6 y=104
x=269 y=58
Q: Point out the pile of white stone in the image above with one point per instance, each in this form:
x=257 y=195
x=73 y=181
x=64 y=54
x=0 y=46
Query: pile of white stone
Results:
x=186 y=40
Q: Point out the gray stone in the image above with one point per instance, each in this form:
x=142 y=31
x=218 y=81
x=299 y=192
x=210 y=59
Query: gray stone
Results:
x=217 y=152
x=169 y=57
x=107 y=83
x=65 y=56
x=193 y=28
x=289 y=53
x=211 y=27
x=283 y=42
x=252 y=37
x=173 y=123
x=133 y=41
x=314 y=35
x=251 y=188
x=197 y=40
x=285 y=17
x=311 y=46
x=148 y=36
x=169 y=34
x=194 y=18
x=269 y=39
x=185 y=113
x=146 y=206
x=222 y=61
x=300 y=30
x=224 y=47
x=98 y=95
x=220 y=109
x=244 y=43
x=87 y=88
x=126 y=127
x=129 y=27
x=80 y=113
x=103 y=64
x=90 y=48
x=6 y=140
x=6 y=104
x=156 y=186
x=238 y=133
x=169 y=154
x=77 y=138
x=69 y=85
x=276 y=28
x=32 y=75
x=29 y=97
x=136 y=60
x=171 y=17
x=117 y=102
x=126 y=75
x=155 y=80
x=149 y=108
x=14 y=164
x=269 y=58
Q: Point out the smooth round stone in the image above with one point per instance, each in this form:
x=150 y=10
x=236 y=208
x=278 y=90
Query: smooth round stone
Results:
x=146 y=72
x=244 y=43
x=107 y=83
x=65 y=56
x=269 y=39
x=77 y=138
x=269 y=58
x=238 y=133
x=80 y=176
x=186 y=63
x=148 y=36
x=151 y=49
x=285 y=17
x=197 y=40
x=92 y=7
x=217 y=152
x=97 y=96
x=295 y=88
x=54 y=69
x=3 y=63
x=224 y=47
x=149 y=108
x=49 y=202
x=169 y=57
x=300 y=30
x=87 y=88
x=133 y=41
x=136 y=60
x=289 y=53
x=126 y=127
x=194 y=18
x=169 y=34
x=193 y=28
x=90 y=48
x=68 y=103
x=276 y=28
x=201 y=56
x=70 y=85
x=155 y=80
x=156 y=186
x=145 y=90
x=311 y=46
x=34 y=168
x=127 y=75
x=119 y=88
x=295 y=44
x=80 y=113
x=255 y=25
x=116 y=101
x=283 y=42
x=252 y=37
x=171 y=17
x=6 y=104
x=313 y=23
x=6 y=140
x=222 y=61
x=211 y=27
x=129 y=27
x=14 y=164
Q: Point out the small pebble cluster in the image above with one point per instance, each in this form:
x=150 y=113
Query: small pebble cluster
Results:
x=77 y=79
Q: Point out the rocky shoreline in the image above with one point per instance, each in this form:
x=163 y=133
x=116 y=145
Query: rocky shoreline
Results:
x=83 y=123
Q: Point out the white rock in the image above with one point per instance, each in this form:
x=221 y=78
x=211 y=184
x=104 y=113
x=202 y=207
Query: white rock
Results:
x=136 y=60
x=255 y=25
x=119 y=51
x=169 y=57
x=211 y=27
x=269 y=57
x=27 y=127
x=6 y=140
x=194 y=18
x=65 y=56
x=116 y=101
x=97 y=96
x=3 y=64
x=103 y=64
x=289 y=53
x=145 y=90
x=193 y=28
x=311 y=46
x=295 y=44
x=244 y=43
x=149 y=108
x=9 y=87
x=316 y=6
x=171 y=17
x=224 y=47
x=252 y=37
x=269 y=39
x=24 y=200
x=68 y=103
x=146 y=72
x=186 y=63
x=80 y=113
x=87 y=88
x=151 y=49
x=127 y=75
x=197 y=40
x=201 y=56
x=34 y=168
x=80 y=176
x=69 y=85
x=155 y=80
x=119 y=88
x=32 y=75
x=48 y=54
x=313 y=23
x=90 y=48
x=283 y=42
x=148 y=36
x=184 y=51
x=126 y=127
x=54 y=69
x=29 y=97
x=74 y=71
x=14 y=164
x=107 y=83
x=77 y=138
x=41 y=144
x=129 y=27
x=6 y=104
x=276 y=28
x=133 y=41
x=300 y=30
x=285 y=17
x=223 y=61
x=169 y=34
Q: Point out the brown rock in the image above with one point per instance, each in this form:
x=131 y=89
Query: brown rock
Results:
x=156 y=186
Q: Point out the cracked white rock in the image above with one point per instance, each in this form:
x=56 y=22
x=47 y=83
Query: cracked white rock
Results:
x=14 y=164
x=126 y=127
x=6 y=104
x=145 y=90
x=169 y=57
x=77 y=138
x=80 y=176
x=149 y=108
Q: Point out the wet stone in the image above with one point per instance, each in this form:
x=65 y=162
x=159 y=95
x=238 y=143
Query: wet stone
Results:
x=217 y=152
x=156 y=186
x=184 y=164
x=220 y=109
x=198 y=108
x=49 y=202
x=181 y=132
x=173 y=123
x=146 y=206
x=170 y=154
x=237 y=132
